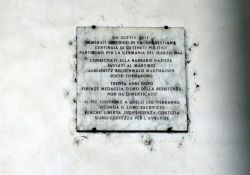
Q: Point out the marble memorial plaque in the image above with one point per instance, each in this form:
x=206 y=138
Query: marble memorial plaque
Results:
x=131 y=79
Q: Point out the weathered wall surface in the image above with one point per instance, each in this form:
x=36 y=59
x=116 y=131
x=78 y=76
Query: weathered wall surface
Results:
x=37 y=111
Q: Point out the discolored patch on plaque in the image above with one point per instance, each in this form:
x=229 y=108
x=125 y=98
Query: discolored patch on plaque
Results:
x=131 y=79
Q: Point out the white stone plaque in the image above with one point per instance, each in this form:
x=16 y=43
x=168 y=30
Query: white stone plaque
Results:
x=131 y=79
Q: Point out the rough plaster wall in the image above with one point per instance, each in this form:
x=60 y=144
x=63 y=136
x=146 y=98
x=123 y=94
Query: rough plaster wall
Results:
x=37 y=121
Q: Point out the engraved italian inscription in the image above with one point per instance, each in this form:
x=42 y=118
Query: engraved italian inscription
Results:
x=131 y=79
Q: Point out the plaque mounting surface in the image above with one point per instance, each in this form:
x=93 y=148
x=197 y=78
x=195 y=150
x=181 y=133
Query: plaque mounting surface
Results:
x=131 y=79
